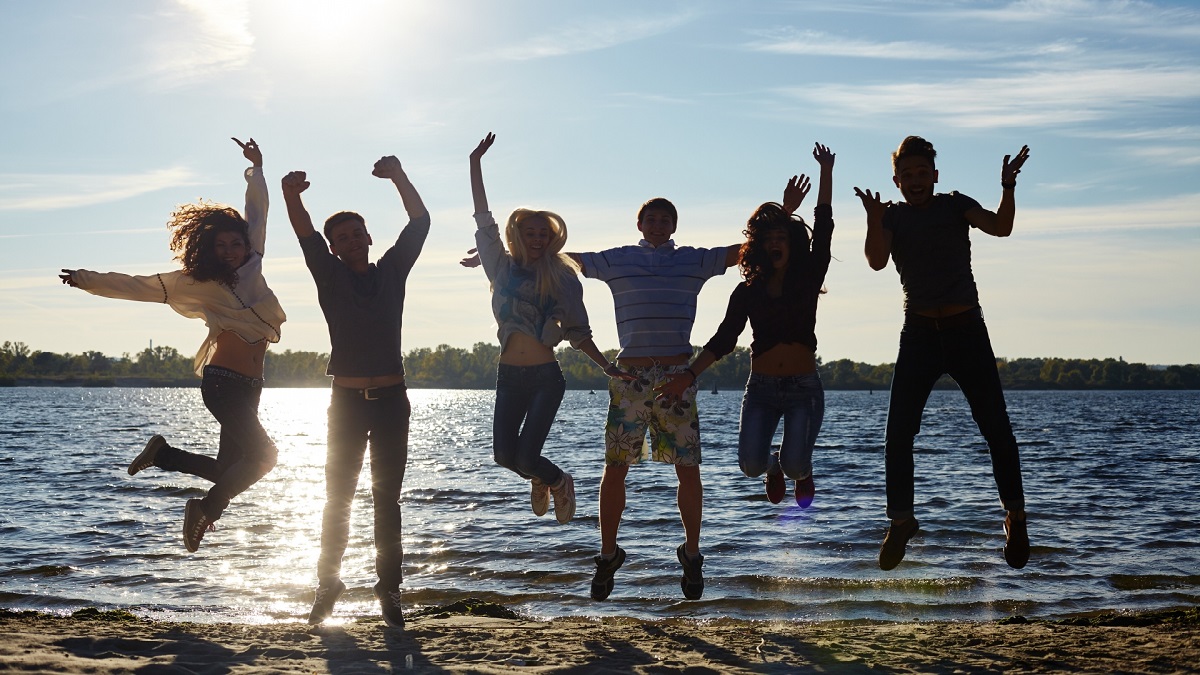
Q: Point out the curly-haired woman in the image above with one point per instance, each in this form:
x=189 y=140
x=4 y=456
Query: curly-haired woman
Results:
x=221 y=282
x=784 y=275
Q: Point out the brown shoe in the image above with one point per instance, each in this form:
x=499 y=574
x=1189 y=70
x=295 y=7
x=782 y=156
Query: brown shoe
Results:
x=894 y=542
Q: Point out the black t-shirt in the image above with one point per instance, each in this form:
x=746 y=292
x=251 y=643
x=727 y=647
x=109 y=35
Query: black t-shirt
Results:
x=931 y=247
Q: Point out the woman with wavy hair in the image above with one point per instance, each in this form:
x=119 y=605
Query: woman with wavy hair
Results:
x=221 y=282
x=538 y=302
x=784 y=275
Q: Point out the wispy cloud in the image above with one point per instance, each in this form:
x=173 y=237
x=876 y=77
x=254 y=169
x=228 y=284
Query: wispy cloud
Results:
x=49 y=192
x=1120 y=16
x=588 y=35
x=1037 y=99
x=809 y=42
x=213 y=36
x=1167 y=214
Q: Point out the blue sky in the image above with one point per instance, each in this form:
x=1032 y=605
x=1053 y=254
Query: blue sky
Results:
x=113 y=113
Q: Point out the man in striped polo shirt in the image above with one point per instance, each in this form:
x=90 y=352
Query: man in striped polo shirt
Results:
x=654 y=286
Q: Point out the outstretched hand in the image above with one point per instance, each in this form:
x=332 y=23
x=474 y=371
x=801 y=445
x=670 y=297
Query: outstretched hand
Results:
x=795 y=192
x=388 y=167
x=1012 y=167
x=472 y=259
x=873 y=204
x=483 y=146
x=67 y=279
x=250 y=151
x=824 y=156
x=294 y=183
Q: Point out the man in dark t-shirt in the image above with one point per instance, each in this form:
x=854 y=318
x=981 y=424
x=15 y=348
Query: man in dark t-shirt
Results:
x=363 y=303
x=928 y=238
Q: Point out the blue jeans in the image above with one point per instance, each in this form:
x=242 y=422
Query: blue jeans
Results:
x=527 y=398
x=800 y=401
x=353 y=419
x=245 y=454
x=959 y=346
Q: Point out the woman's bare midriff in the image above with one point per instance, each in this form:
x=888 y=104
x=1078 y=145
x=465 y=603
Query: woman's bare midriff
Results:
x=230 y=351
x=782 y=360
x=523 y=350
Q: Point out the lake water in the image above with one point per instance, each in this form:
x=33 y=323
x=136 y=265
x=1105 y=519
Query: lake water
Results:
x=1111 y=481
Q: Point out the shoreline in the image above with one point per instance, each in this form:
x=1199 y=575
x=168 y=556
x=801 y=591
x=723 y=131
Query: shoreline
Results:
x=487 y=638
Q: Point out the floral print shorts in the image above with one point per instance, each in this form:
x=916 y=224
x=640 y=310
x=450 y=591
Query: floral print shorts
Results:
x=632 y=411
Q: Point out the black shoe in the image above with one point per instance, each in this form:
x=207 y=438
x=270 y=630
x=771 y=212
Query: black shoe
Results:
x=602 y=583
x=692 y=581
x=195 y=524
x=322 y=607
x=1016 y=544
x=145 y=458
x=892 y=550
x=389 y=602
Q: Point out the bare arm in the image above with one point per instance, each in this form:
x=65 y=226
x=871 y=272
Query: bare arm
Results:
x=610 y=369
x=878 y=246
x=677 y=383
x=293 y=184
x=794 y=193
x=389 y=167
x=731 y=255
x=1000 y=223
x=824 y=157
x=478 y=194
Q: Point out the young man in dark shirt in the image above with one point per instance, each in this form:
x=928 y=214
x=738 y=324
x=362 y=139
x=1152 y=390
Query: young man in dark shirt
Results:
x=928 y=237
x=363 y=304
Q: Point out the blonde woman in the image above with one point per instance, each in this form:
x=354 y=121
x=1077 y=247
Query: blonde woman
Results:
x=538 y=302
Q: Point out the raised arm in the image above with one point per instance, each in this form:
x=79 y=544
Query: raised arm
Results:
x=879 y=241
x=824 y=157
x=389 y=167
x=795 y=191
x=256 y=195
x=1000 y=223
x=293 y=184
x=478 y=194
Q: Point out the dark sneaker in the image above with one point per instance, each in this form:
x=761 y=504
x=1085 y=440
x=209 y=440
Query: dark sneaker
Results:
x=323 y=603
x=539 y=497
x=145 y=460
x=195 y=524
x=602 y=583
x=1016 y=544
x=692 y=581
x=389 y=602
x=892 y=550
x=564 y=499
x=805 y=490
x=776 y=487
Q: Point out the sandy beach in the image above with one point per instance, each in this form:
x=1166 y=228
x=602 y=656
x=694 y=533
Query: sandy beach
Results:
x=479 y=639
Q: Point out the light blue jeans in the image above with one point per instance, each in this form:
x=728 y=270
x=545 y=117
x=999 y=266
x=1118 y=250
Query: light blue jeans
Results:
x=800 y=401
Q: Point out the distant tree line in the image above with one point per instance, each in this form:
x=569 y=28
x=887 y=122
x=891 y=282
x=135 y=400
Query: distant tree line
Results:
x=446 y=367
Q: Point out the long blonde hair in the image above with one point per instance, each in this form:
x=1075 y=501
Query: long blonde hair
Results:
x=554 y=264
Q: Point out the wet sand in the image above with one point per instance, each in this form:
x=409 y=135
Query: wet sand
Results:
x=479 y=639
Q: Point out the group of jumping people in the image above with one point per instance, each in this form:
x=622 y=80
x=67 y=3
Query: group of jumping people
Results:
x=537 y=300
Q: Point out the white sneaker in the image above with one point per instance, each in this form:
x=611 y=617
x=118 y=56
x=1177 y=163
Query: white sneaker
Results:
x=564 y=498
x=539 y=497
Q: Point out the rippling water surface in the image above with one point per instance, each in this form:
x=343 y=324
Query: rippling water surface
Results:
x=1111 y=481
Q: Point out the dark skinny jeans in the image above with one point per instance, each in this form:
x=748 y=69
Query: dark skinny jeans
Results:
x=246 y=453
x=958 y=346
x=527 y=399
x=353 y=419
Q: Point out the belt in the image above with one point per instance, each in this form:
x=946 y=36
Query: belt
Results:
x=373 y=393
x=942 y=323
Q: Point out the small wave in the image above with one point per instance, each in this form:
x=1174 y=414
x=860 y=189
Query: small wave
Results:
x=1147 y=582
x=39 y=571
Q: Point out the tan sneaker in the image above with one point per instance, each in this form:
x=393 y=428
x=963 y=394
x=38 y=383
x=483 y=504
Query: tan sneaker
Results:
x=564 y=498
x=145 y=459
x=539 y=497
x=195 y=524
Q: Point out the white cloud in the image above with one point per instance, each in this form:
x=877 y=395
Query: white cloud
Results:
x=49 y=192
x=808 y=42
x=212 y=36
x=587 y=35
x=1166 y=214
x=1036 y=99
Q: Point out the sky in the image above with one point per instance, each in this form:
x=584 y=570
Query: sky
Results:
x=114 y=113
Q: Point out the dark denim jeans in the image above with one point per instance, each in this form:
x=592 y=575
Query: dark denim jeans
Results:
x=527 y=398
x=958 y=346
x=353 y=419
x=246 y=453
x=800 y=401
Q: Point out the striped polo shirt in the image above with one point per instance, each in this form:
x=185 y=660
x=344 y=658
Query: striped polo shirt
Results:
x=654 y=292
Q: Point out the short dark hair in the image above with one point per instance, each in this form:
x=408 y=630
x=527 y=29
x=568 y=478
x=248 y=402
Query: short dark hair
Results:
x=914 y=146
x=339 y=218
x=659 y=204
